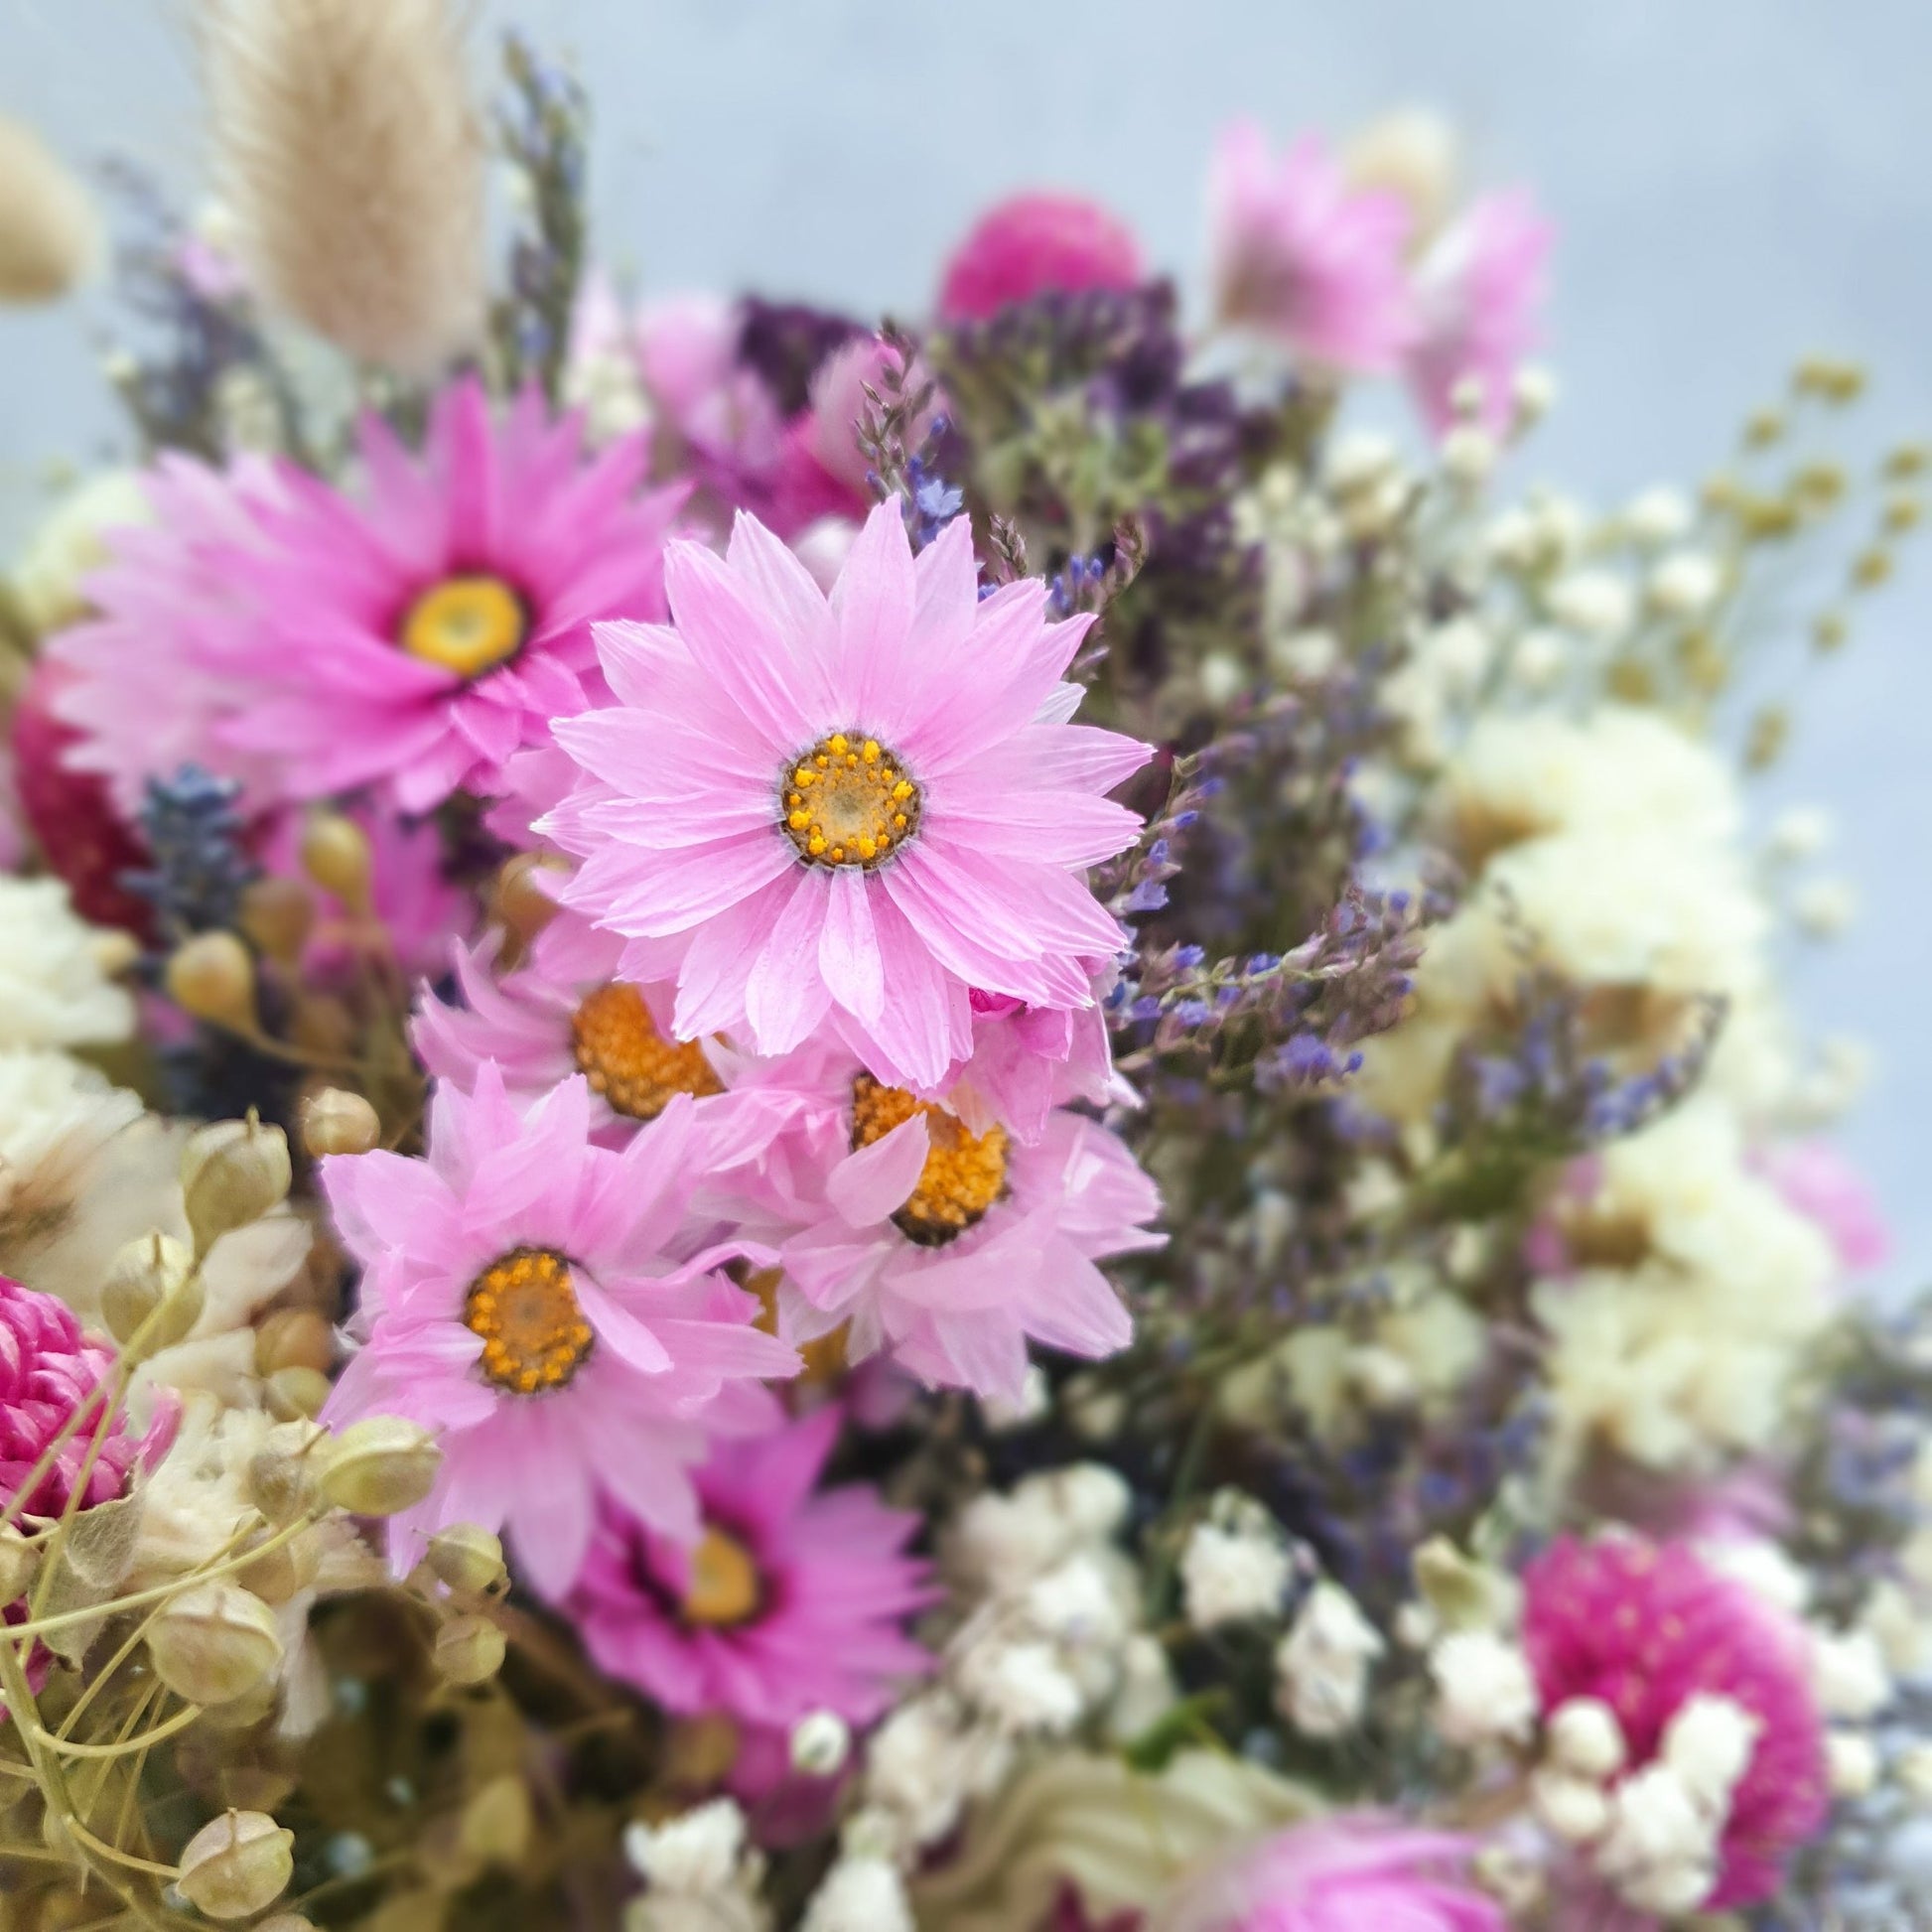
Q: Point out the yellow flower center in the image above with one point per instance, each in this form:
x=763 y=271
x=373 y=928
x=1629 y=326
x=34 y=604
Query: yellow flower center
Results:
x=724 y=1585
x=524 y=1307
x=964 y=1174
x=848 y=803
x=622 y=1053
x=467 y=624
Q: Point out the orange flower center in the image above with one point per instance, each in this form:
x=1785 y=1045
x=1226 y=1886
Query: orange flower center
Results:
x=848 y=803
x=724 y=1586
x=626 y=1058
x=524 y=1306
x=964 y=1174
x=467 y=624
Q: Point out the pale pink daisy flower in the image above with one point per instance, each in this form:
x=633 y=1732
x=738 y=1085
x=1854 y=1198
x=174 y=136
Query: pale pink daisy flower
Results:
x=563 y=1012
x=139 y=683
x=412 y=641
x=1479 y=293
x=947 y=1249
x=846 y=814
x=1346 y=1872
x=1033 y=244
x=1027 y=1060
x=1301 y=254
x=793 y=1600
x=543 y=1305
x=1647 y=1626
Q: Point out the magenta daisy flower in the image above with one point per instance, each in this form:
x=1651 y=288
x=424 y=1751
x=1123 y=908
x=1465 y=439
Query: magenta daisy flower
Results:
x=1300 y=254
x=545 y=1305
x=411 y=640
x=846 y=814
x=793 y=1600
x=1479 y=293
x=1645 y=1627
x=945 y=1248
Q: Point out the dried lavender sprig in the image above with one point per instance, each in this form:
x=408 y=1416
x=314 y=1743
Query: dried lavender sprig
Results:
x=542 y=128
x=199 y=862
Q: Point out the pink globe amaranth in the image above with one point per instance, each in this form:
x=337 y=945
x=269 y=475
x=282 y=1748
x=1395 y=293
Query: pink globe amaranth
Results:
x=1037 y=244
x=1647 y=1626
x=50 y=1372
x=1349 y=1872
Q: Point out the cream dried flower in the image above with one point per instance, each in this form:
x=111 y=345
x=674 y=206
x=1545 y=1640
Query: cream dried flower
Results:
x=349 y=150
x=50 y=237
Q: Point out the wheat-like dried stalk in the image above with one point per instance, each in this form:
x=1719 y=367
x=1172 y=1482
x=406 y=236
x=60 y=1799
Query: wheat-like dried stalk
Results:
x=50 y=238
x=348 y=148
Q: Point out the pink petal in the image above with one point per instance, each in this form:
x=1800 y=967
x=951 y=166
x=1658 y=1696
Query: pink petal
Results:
x=868 y=1186
x=848 y=947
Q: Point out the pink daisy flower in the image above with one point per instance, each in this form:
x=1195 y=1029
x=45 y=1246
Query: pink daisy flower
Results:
x=793 y=1599
x=1301 y=255
x=846 y=814
x=945 y=1248
x=1814 y=1178
x=1479 y=293
x=1647 y=1626
x=564 y=1013
x=1344 y=1874
x=1027 y=1060
x=412 y=641
x=1031 y=244
x=543 y=1305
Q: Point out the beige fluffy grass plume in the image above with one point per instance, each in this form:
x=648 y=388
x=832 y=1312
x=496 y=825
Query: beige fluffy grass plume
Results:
x=347 y=148
x=49 y=236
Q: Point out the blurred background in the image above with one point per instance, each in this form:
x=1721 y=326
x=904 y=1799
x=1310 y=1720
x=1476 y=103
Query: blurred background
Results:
x=1734 y=183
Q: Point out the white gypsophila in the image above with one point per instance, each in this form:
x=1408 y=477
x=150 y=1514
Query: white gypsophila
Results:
x=1077 y=1605
x=1685 y=584
x=1851 y=1763
x=1484 y=1690
x=1658 y=515
x=1537 y=659
x=1575 y=1808
x=56 y=1113
x=1709 y=1744
x=1660 y=1850
x=1469 y=455
x=1595 y=604
x=924 y=1763
x=998 y=1544
x=820 y=1743
x=1584 y=1739
x=54 y=984
x=1762 y=1567
x=1002 y=1413
x=696 y=1853
x=1625 y=907
x=1321 y=1667
x=1022 y=1686
x=1802 y=832
x=1823 y=907
x=1233 y=1574
x=1519 y=774
x=859 y=1895
x=1848 y=1674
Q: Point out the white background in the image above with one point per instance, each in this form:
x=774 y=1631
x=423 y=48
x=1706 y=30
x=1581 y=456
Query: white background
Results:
x=1736 y=180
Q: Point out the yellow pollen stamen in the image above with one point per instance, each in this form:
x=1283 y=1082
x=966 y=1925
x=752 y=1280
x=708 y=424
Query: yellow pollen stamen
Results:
x=965 y=1173
x=467 y=624
x=724 y=1586
x=861 y=803
x=618 y=1050
x=524 y=1306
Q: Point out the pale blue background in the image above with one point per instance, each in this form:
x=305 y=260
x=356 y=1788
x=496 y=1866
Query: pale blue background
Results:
x=1736 y=180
